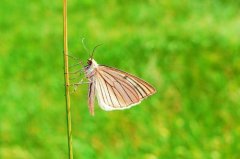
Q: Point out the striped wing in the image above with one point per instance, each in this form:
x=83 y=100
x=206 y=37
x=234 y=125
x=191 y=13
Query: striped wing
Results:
x=91 y=96
x=118 y=90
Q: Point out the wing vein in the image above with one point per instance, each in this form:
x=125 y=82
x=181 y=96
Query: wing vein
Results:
x=137 y=85
x=131 y=85
x=132 y=76
x=102 y=92
x=109 y=94
x=102 y=83
x=105 y=81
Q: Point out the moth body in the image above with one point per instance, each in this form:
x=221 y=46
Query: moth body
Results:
x=90 y=67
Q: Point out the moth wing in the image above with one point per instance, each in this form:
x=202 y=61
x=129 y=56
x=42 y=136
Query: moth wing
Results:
x=117 y=90
x=91 y=97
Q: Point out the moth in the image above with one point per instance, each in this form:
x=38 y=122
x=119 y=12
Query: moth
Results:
x=114 y=89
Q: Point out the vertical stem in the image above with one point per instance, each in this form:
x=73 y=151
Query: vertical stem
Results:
x=66 y=77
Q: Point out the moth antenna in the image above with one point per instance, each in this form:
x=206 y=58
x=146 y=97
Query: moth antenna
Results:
x=94 y=50
x=86 y=49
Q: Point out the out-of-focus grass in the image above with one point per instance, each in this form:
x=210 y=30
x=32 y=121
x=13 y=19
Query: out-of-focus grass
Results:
x=189 y=50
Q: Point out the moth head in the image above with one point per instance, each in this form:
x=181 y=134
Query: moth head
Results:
x=89 y=62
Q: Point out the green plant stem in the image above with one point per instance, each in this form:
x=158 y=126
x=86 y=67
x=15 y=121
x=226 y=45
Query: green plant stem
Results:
x=66 y=77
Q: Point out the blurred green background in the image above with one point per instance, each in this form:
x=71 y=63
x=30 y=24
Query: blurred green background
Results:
x=189 y=50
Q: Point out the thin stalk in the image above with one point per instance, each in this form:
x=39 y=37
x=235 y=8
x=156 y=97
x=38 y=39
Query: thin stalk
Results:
x=66 y=77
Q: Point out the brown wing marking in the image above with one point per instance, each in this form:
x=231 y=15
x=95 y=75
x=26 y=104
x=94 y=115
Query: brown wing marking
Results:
x=143 y=88
x=114 y=92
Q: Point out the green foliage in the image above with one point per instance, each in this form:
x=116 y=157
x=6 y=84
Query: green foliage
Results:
x=189 y=50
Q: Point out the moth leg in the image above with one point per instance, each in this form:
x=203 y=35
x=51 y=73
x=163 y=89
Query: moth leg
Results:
x=78 y=71
x=74 y=78
x=74 y=89
x=80 y=83
x=76 y=64
x=75 y=85
x=74 y=58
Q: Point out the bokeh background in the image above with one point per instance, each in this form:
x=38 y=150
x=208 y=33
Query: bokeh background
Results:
x=189 y=50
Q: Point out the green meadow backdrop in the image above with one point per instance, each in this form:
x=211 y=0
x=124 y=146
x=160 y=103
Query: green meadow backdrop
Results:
x=189 y=50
